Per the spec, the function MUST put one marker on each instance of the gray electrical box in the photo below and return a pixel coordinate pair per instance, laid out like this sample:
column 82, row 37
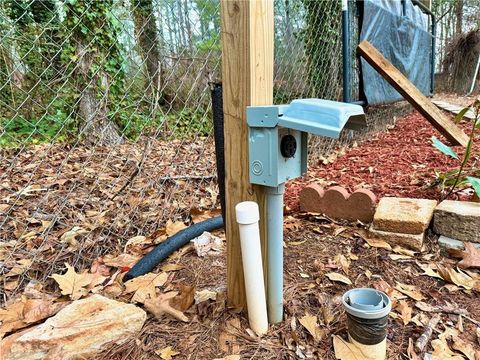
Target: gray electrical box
column 278, row 135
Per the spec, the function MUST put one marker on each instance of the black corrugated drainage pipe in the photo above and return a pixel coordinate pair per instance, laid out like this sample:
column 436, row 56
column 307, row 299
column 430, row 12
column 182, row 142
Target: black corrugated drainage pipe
column 175, row 242
column 217, row 114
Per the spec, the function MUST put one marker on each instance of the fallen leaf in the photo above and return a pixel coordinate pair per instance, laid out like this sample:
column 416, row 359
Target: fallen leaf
column 171, row 267
column 160, row 305
column 443, row 308
column 310, row 323
column 427, row 270
column 137, row 244
column 341, row 260
column 409, row 290
column 441, row 351
column 204, row 295
column 12, row 317
column 420, row 319
column 121, row 261
column 470, row 256
column 457, row 278
column 405, row 311
column 70, row 237
column 25, row 311
column 199, row 215
column 368, row 274
column 339, row 230
column 39, row 309
column 166, row 353
column 400, row 250
column 345, row 350
column 412, row 355
column 460, row 324
column 171, row 228
column 19, row 268
column 184, row 299
column 144, row 287
column 393, row 294
column 448, row 334
column 373, row 241
column 464, row 347
column 338, row 277
column 99, row 267
column 73, row 284
column 396, row 257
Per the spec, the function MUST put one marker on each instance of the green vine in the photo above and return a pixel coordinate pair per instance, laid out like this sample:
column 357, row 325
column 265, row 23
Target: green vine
column 90, row 24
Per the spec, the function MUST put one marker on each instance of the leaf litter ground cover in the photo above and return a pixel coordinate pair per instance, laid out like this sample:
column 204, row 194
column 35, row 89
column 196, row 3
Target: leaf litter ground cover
column 94, row 240
column 185, row 297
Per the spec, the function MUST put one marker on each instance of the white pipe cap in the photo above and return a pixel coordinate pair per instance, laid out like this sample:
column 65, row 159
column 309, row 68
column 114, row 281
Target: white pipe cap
column 247, row 212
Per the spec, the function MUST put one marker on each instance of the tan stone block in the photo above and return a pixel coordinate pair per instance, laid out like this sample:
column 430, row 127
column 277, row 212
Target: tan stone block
column 403, row 215
column 458, row 219
column 411, row 241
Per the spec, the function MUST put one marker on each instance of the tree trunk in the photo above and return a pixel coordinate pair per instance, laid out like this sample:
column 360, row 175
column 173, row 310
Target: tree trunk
column 148, row 41
column 458, row 17
column 188, row 26
column 92, row 110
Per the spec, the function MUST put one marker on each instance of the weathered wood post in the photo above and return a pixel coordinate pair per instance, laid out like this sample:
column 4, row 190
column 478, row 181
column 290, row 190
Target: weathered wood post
column 247, row 77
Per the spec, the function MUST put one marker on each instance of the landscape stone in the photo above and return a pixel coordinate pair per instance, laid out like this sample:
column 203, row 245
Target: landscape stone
column 403, row 215
column 78, row 331
column 411, row 241
column 458, row 220
column 445, row 243
column 337, row 203
column 334, row 201
column 310, row 198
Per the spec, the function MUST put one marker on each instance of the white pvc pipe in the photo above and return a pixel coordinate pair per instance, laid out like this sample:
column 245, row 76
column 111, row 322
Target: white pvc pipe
column 248, row 216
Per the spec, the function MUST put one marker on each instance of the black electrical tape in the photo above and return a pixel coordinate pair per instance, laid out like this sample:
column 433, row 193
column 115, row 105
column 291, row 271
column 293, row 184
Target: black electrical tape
column 367, row 331
column 173, row 243
column 217, row 113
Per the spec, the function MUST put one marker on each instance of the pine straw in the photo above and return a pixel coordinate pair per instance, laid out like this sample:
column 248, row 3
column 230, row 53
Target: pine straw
column 205, row 335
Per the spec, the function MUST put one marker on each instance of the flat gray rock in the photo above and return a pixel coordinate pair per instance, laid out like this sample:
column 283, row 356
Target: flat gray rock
column 458, row 220
column 447, row 243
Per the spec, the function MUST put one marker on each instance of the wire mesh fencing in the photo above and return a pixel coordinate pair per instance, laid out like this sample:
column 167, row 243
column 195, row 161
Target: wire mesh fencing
column 105, row 119
column 105, row 129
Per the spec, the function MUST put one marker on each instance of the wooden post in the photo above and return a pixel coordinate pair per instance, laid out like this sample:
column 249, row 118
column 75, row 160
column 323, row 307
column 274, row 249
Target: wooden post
column 247, row 78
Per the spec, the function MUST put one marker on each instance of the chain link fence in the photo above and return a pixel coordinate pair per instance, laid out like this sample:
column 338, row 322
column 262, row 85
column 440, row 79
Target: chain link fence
column 105, row 118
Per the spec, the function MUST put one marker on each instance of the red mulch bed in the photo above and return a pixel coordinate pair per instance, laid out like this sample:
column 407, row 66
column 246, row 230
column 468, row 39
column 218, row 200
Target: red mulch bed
column 398, row 162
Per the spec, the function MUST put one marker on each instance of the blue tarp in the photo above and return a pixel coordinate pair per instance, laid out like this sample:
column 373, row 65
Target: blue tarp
column 403, row 40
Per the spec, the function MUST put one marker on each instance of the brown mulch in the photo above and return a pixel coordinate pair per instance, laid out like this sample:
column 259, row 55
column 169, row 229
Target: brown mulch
column 398, row 162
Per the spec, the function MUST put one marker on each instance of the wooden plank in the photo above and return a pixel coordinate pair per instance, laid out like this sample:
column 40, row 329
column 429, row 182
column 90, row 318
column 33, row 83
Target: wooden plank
column 247, row 77
column 419, row 101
